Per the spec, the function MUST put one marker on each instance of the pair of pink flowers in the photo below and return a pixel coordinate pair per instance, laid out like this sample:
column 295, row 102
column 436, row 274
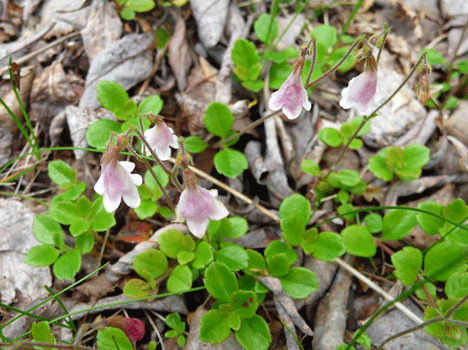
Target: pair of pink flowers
column 196, row 204
column 361, row 92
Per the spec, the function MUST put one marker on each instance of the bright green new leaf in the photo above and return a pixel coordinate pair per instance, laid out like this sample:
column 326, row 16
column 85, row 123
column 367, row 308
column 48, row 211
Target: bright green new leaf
column 278, row 74
column 230, row 163
column 245, row 303
column 220, row 281
column 234, row 257
column 85, row 242
column 218, row 119
column 244, row 53
column 42, row 334
column 430, row 224
column 194, row 144
column 456, row 211
column 379, row 168
column 185, row 257
column 416, row 155
column 359, row 241
column 68, row 265
column 299, row 283
column 127, row 14
column 257, row 263
column 151, row 104
column 294, row 213
column 433, row 57
column 254, row 333
column 328, row 246
column 330, row 136
column 452, row 335
column 234, row 321
column 172, row 242
column 45, row 228
column 150, row 264
column 311, row 167
column 113, row 338
column 278, row 265
column 397, row 223
column 214, row 328
column 239, row 227
column 457, row 285
column 136, row 288
column 62, row 174
column 266, row 27
column 146, row 209
column 203, row 255
column 373, row 222
column 41, row 255
column 445, row 259
column 325, row 34
column 180, row 280
column 407, row 263
column 278, row 247
column 112, row 96
column 102, row 220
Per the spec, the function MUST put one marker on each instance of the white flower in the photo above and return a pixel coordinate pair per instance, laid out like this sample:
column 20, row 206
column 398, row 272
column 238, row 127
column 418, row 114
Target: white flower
column 362, row 91
column 117, row 182
column 198, row 205
column 161, row 137
column 292, row 95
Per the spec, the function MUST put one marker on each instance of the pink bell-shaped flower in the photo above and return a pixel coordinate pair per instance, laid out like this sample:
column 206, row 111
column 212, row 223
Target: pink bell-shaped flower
column 362, row 90
column 197, row 205
column 292, row 95
column 117, row 182
column 161, row 137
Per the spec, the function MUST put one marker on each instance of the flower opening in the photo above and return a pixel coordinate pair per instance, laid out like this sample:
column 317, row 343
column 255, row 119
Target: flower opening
column 161, row 137
column 117, row 182
column 292, row 95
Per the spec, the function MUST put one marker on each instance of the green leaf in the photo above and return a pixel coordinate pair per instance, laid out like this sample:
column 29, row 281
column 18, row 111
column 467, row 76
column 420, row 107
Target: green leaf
column 463, row 66
column 85, row 242
column 299, row 283
column 244, row 53
column 101, row 219
column 64, row 212
column 42, row 334
column 71, row 194
column 430, row 224
column 180, row 280
column 330, row 136
column 127, row 14
column 68, row 265
column 41, row 255
column 62, row 174
column 254, row 86
column 230, row 163
column 146, row 209
column 450, row 334
column 433, row 57
column 310, row 237
column 359, row 241
column 407, row 263
column 214, row 328
column 245, row 303
column 311, row 167
column 150, row 264
column 218, row 119
column 234, row 257
column 266, row 27
column 112, row 339
column 278, row 247
column 151, row 104
column 349, row 178
column 379, row 168
column 220, row 282
column 257, row 262
column 328, row 246
column 283, row 55
column 254, row 333
column 203, row 255
column 184, row 257
column 445, row 259
column 194, row 144
column 325, row 34
column 239, row 227
column 347, row 208
column 234, row 321
column 457, row 285
column 294, row 214
column 456, row 211
column 98, row 133
column 416, row 155
column 172, row 242
column 397, row 223
column 278, row 265
column 140, row 5
column 112, row 96
column 420, row 293
column 451, row 103
column 373, row 222
column 136, row 288
column 46, row 228
column 278, row 74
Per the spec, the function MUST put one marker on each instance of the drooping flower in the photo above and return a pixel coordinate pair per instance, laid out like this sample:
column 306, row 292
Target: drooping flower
column 117, row 182
column 292, row 95
column 362, row 90
column 197, row 205
column 161, row 137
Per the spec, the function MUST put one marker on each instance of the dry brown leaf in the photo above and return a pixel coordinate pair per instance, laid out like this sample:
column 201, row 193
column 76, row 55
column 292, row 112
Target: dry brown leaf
column 179, row 54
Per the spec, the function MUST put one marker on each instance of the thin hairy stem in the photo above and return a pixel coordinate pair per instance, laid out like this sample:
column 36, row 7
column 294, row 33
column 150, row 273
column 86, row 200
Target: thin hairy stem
column 314, row 59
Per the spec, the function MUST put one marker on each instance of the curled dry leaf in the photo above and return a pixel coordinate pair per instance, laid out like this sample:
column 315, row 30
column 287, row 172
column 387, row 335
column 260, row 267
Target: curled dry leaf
column 211, row 17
